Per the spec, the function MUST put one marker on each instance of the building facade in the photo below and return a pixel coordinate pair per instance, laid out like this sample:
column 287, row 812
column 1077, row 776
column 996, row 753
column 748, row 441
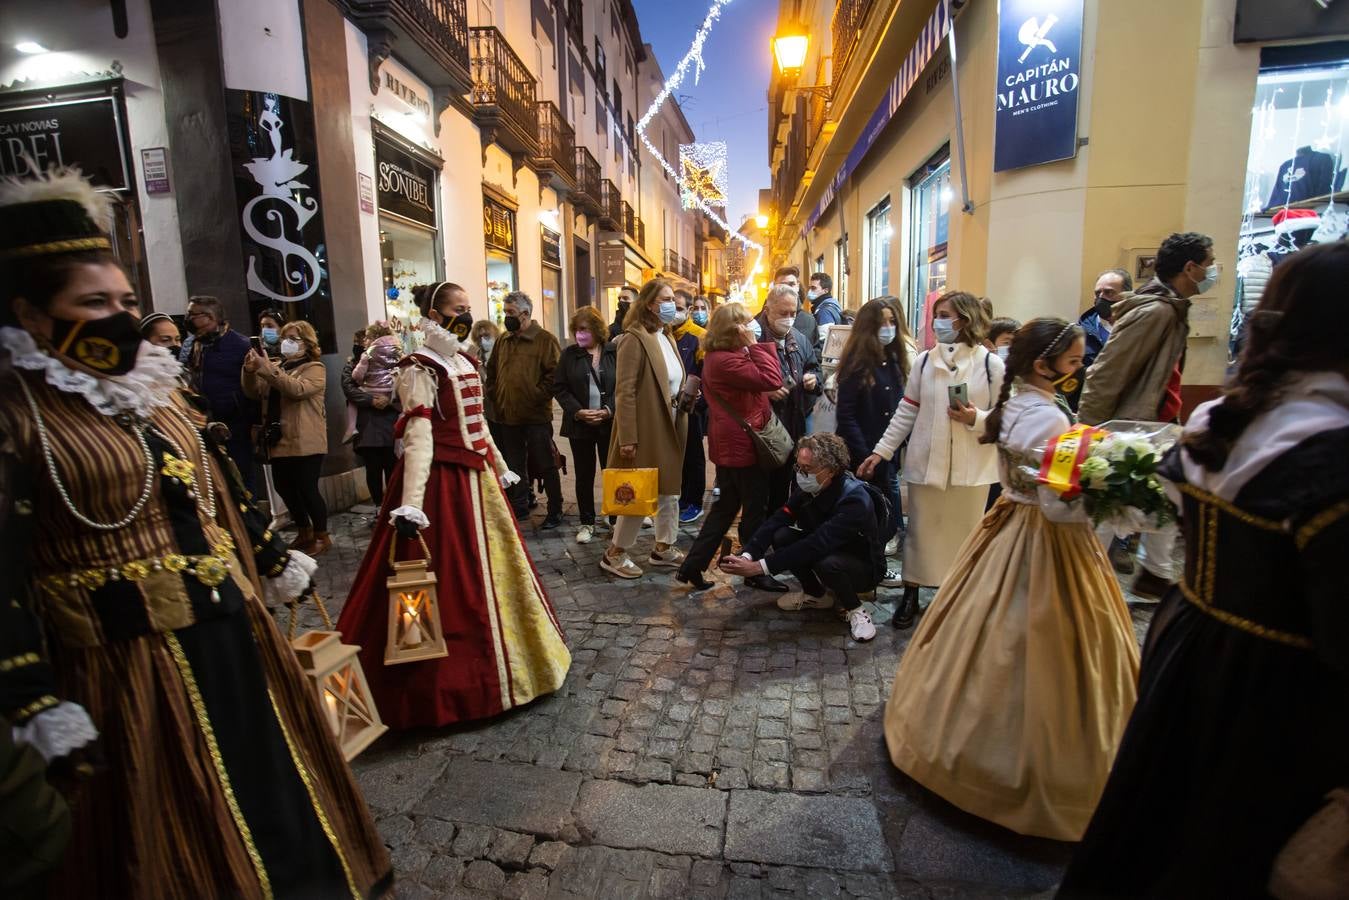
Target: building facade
column 1155, row 117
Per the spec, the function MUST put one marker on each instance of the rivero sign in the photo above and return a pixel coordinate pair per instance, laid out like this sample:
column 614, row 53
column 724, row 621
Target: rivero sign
column 1039, row 74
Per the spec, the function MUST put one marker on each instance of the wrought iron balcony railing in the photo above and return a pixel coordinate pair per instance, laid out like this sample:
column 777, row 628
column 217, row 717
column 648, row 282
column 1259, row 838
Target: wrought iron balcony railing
column 629, row 221
column 587, row 170
column 503, row 93
column 557, row 145
column 576, row 21
column 611, row 206
column 849, row 16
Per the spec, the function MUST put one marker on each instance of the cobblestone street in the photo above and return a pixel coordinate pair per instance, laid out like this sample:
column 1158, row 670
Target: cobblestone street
column 702, row 747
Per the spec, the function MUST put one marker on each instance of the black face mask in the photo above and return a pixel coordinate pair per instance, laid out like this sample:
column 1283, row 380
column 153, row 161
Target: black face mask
column 357, row 350
column 1104, row 308
column 175, row 349
column 1067, row 384
column 461, row 326
column 107, row 346
column 512, row 323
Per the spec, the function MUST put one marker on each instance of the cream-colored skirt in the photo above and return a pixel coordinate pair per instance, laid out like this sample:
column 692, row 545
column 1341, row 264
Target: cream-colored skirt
column 1012, row 697
column 939, row 522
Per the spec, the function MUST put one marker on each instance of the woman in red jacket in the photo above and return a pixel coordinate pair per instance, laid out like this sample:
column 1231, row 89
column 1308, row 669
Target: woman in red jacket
column 738, row 372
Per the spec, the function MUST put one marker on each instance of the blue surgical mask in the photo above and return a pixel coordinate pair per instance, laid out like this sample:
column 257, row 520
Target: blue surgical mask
column 667, row 311
column 756, row 328
column 887, row 334
column 808, row 483
column 946, row 332
column 269, row 336
column 1209, row 280
column 700, row 317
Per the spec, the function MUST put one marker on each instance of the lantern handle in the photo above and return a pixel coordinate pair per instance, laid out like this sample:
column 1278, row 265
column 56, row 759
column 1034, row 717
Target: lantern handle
column 295, row 612
column 393, row 548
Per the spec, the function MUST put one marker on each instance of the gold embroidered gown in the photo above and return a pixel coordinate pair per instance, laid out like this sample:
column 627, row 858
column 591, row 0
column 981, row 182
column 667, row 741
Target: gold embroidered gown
column 219, row 775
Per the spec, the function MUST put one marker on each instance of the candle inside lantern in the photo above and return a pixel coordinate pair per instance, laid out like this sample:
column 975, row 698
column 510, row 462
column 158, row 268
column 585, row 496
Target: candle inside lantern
column 411, row 632
column 332, row 704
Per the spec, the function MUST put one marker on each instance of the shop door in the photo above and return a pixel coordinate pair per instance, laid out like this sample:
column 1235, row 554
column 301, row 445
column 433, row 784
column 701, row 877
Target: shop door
column 585, row 289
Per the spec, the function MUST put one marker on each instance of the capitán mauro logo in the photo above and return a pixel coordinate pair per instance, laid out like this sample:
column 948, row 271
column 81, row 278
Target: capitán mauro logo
column 1040, row 85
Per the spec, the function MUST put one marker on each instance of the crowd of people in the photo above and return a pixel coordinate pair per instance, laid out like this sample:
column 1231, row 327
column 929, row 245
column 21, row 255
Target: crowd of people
column 138, row 658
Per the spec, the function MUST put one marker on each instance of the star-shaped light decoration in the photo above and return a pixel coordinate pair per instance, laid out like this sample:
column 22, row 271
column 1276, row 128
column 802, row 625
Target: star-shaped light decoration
column 703, row 169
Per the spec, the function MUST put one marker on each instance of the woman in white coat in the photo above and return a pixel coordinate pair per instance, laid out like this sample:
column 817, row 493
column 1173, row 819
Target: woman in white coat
column 946, row 468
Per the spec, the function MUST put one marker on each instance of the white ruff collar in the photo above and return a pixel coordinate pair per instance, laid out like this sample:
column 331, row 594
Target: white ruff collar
column 151, row 384
column 445, row 344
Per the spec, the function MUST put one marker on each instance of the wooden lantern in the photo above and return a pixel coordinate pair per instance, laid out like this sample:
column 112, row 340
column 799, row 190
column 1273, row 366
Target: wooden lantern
column 414, row 612
column 336, row 673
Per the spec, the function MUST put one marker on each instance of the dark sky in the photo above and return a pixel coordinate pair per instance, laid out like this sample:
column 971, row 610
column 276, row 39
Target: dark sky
column 729, row 102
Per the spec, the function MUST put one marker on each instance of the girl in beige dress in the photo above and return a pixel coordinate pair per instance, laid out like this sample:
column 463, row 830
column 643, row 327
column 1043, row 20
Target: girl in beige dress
column 1013, row 694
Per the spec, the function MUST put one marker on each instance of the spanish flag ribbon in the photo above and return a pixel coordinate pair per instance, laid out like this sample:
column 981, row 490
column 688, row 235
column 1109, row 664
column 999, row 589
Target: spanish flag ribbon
column 1061, row 468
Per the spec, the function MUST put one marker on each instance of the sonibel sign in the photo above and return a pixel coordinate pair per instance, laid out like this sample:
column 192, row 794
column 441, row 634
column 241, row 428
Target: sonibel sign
column 1039, row 73
column 405, row 185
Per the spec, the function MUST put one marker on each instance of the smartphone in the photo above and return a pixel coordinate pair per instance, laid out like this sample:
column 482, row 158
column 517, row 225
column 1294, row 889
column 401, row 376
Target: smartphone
column 958, row 395
column 255, row 343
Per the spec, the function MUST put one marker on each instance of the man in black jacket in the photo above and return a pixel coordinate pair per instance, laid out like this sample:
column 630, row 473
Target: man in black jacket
column 827, row 535
column 800, row 378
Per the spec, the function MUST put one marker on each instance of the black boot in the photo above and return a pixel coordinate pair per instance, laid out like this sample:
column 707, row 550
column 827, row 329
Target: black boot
column 907, row 610
column 694, row 580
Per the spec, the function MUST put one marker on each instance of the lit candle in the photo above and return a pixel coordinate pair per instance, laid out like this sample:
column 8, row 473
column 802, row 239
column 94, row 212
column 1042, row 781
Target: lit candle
column 332, row 705
column 411, row 633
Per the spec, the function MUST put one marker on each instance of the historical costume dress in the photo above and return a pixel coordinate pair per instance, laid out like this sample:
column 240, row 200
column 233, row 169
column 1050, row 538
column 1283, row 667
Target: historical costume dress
column 133, row 612
column 1013, row 693
column 505, row 644
column 1242, row 723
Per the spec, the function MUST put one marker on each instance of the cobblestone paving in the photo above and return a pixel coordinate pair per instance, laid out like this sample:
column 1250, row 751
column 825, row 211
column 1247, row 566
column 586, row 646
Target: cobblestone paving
column 709, row 746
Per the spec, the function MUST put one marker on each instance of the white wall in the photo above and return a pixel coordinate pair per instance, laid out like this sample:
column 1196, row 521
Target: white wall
column 83, row 42
column 262, row 43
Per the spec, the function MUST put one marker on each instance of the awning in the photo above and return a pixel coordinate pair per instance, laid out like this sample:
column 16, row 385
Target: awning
column 920, row 54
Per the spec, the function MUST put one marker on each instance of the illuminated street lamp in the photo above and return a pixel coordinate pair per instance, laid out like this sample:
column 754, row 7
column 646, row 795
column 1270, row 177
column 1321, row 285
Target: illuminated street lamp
column 790, row 49
column 761, row 221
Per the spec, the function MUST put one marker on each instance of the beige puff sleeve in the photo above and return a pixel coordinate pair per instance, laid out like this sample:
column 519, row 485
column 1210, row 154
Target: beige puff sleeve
column 416, row 387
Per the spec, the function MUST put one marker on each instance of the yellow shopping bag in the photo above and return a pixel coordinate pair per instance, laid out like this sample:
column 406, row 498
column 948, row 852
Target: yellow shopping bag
column 630, row 492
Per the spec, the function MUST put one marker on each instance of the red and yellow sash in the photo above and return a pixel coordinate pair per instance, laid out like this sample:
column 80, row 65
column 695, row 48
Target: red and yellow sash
column 1061, row 469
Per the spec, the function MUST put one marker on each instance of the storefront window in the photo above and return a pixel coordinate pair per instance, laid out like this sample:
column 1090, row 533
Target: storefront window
column 927, row 260
column 879, row 233
column 405, row 188
column 552, row 314
column 407, row 254
column 498, row 225
column 841, row 272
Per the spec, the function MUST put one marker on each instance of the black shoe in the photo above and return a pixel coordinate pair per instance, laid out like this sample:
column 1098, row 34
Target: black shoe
column 907, row 610
column 766, row 583
column 1121, row 557
column 553, row 520
column 695, row 581
column 1149, row 587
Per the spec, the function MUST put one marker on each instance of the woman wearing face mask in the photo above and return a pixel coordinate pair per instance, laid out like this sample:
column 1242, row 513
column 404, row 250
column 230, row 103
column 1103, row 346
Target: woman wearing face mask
column 1027, row 656
column 269, row 332
column 649, row 428
column 134, row 573
column 688, row 336
column 300, row 380
column 738, row 373
column 700, row 312
column 946, row 468
column 1000, row 333
column 583, row 385
column 872, row 374
column 162, row 331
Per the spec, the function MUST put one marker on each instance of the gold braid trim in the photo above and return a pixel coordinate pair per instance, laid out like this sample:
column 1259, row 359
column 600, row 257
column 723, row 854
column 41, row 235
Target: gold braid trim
column 1231, row 509
column 1243, row 624
column 41, row 704
column 70, row 246
column 204, row 723
column 19, row 662
column 1320, row 522
column 303, row 772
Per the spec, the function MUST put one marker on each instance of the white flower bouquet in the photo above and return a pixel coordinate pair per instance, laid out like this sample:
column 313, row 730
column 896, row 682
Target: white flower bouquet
column 1112, row 471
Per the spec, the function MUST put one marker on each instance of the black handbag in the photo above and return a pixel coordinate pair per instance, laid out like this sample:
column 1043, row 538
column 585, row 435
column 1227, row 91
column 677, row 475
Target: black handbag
column 772, row 444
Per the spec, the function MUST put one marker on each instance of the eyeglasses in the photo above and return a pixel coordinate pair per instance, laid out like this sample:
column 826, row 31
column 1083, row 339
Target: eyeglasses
column 199, row 314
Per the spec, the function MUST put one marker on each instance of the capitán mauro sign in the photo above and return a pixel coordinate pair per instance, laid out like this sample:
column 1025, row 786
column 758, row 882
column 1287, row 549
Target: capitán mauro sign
column 1039, row 73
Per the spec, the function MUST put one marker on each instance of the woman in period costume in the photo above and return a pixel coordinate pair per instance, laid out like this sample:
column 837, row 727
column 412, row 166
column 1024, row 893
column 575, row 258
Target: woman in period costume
column 1012, row 695
column 133, row 614
column 505, row 645
column 1242, row 723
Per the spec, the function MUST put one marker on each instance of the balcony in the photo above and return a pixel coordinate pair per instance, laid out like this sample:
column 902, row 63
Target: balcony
column 629, row 221
column 587, row 195
column 503, row 95
column 556, row 159
column 611, row 207
column 576, row 22
column 641, row 233
column 849, row 16
column 671, row 261
column 432, row 40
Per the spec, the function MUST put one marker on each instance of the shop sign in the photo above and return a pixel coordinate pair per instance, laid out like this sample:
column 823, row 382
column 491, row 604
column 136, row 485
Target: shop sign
column 276, row 184
column 84, row 133
column 155, row 165
column 552, row 247
column 613, row 267
column 404, row 184
column 1039, row 72
column 1286, row 20
column 498, row 226
column 365, row 190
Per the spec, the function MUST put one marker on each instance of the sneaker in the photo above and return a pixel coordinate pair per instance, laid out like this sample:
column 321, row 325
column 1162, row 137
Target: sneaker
column 669, row 558
column 584, row 534
column 860, row 624
column 1149, row 587
column 647, row 522
column 716, row 492
column 893, row 546
column 798, row 600
column 623, row 567
column 690, row 514
column 892, row 579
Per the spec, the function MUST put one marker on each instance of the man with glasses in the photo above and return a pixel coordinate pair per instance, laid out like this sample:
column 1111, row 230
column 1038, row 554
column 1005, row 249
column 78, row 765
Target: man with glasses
column 214, row 361
column 828, row 535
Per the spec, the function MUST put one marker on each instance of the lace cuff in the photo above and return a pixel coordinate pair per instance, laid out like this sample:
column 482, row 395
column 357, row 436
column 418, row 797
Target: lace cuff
column 58, row 731
column 292, row 581
column 412, row 514
column 509, row 478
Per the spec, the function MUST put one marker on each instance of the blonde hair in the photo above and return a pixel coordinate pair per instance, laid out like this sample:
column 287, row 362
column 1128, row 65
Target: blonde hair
column 971, row 309
column 723, row 329
column 307, row 336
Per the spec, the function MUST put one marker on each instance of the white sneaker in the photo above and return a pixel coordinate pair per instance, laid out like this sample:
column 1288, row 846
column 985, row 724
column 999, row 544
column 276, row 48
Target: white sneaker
column 647, row 522
column 584, row 534
column 669, row 559
column 623, row 567
column 893, row 547
column 716, row 492
column 798, row 600
column 859, row 622
column 892, row 579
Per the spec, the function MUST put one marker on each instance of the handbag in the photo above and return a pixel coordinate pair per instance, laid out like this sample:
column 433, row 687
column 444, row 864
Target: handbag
column 1314, row 864
column 630, row 492
column 772, row 444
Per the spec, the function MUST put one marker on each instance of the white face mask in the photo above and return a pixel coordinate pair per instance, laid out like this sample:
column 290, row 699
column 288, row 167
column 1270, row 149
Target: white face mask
column 681, row 316
column 887, row 334
column 808, row 483
column 1003, row 351
column 291, row 347
column 945, row 331
column 812, row 293
column 784, row 326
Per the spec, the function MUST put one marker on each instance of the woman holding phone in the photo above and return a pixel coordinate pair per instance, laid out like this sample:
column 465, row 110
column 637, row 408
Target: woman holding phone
column 949, row 393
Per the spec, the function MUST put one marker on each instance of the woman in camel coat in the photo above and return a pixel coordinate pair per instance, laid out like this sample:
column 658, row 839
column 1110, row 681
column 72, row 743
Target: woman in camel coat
column 648, row 430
